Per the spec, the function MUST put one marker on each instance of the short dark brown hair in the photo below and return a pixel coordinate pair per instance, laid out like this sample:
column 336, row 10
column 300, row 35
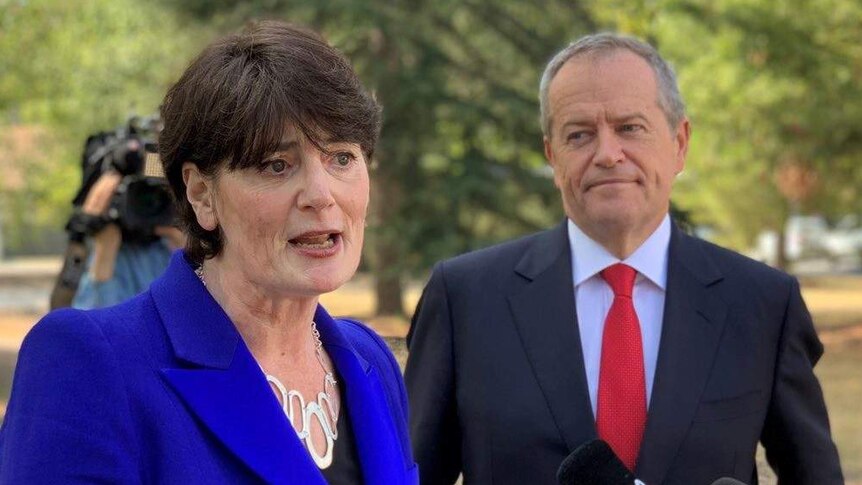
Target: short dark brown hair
column 232, row 104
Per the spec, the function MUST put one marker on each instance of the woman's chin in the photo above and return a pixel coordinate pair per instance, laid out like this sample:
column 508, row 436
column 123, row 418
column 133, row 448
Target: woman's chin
column 319, row 284
column 318, row 277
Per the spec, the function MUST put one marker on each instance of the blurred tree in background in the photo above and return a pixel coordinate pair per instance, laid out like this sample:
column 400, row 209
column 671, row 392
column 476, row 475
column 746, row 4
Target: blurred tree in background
column 771, row 86
column 459, row 164
column 774, row 94
column 68, row 69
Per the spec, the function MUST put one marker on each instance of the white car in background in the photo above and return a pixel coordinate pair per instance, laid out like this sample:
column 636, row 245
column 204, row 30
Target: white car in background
column 810, row 237
column 844, row 241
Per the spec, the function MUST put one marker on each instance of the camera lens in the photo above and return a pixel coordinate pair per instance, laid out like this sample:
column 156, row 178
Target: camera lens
column 148, row 200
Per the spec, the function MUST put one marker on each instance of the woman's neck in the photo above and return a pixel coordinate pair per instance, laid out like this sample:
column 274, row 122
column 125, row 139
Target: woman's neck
column 272, row 326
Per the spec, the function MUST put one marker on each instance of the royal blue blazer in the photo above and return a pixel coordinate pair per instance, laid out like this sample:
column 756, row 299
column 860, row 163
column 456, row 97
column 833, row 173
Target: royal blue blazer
column 162, row 389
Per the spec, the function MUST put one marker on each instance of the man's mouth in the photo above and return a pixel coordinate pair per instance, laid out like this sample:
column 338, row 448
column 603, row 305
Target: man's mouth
column 600, row 183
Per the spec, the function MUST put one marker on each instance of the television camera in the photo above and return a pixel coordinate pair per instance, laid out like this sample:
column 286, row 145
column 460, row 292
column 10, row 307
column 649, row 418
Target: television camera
column 141, row 202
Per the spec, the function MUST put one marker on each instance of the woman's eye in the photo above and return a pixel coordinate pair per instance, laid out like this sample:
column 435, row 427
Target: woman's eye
column 343, row 159
column 278, row 166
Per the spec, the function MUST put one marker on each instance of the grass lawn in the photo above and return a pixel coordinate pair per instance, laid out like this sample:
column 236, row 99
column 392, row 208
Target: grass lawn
column 840, row 373
column 834, row 301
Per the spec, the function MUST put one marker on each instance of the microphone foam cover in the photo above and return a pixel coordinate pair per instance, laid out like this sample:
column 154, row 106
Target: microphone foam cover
column 594, row 463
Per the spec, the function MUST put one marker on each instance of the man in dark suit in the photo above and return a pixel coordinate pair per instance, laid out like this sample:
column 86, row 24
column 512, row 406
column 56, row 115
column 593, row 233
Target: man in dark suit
column 615, row 324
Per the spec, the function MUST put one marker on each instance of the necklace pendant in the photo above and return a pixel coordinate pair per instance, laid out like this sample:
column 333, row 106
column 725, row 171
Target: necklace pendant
column 323, row 409
column 314, row 409
column 295, row 407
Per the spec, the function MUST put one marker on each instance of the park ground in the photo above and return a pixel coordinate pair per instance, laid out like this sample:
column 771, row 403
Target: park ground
column 835, row 301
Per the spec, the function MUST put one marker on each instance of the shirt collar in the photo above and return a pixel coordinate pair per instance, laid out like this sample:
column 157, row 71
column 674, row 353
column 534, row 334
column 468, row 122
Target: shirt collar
column 650, row 259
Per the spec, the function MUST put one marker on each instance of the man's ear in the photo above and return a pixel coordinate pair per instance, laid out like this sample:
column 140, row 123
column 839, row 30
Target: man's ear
column 683, row 135
column 549, row 156
column 200, row 192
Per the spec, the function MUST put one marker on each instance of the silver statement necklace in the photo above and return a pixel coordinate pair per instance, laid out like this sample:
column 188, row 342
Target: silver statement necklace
column 324, row 409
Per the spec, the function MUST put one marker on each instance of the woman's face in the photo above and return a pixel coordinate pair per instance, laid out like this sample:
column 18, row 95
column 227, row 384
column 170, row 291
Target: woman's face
column 294, row 225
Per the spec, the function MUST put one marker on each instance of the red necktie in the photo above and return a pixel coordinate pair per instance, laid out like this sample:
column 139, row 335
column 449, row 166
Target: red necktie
column 621, row 413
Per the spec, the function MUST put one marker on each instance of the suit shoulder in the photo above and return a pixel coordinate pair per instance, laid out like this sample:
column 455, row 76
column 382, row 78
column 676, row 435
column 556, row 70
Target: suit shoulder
column 504, row 254
column 368, row 344
column 736, row 264
column 60, row 327
column 376, row 352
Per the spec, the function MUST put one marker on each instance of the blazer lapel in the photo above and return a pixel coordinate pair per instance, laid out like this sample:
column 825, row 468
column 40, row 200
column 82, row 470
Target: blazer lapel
column 694, row 318
column 545, row 317
column 222, row 384
column 376, row 438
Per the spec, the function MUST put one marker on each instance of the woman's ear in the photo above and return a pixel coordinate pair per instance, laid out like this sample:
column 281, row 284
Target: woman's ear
column 200, row 192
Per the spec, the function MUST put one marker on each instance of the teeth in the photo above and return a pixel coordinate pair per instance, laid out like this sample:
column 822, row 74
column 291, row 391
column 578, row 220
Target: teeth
column 323, row 242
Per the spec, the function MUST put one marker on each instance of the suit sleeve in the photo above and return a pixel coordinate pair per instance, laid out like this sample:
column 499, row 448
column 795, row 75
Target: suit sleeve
column 796, row 433
column 68, row 419
column 430, row 380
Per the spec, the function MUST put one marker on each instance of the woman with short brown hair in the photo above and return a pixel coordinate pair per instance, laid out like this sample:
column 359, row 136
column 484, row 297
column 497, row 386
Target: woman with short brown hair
column 228, row 370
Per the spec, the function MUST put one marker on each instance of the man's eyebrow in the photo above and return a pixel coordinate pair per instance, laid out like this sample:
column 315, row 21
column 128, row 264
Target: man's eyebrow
column 637, row 115
column 620, row 118
column 575, row 121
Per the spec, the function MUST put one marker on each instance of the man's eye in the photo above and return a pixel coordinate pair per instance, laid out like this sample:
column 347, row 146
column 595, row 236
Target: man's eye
column 630, row 127
column 577, row 136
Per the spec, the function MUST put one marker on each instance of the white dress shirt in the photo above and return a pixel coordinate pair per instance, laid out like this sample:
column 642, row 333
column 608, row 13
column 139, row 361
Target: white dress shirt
column 593, row 297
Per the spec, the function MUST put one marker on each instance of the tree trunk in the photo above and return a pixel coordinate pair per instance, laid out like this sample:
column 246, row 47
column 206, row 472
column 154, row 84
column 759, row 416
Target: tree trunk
column 780, row 251
column 388, row 288
column 386, row 261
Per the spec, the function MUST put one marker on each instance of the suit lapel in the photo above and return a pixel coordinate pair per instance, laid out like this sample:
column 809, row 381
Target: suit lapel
column 238, row 407
column 221, row 383
column 694, row 318
column 374, row 431
column 544, row 314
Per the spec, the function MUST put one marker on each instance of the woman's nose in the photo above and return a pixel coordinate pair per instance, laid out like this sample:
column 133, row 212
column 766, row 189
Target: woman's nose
column 316, row 193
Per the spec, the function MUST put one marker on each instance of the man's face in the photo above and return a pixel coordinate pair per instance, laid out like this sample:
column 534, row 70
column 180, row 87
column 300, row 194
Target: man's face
column 613, row 154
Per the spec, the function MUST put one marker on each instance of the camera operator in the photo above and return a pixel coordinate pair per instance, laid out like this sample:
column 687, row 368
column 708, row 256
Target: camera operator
column 121, row 233
column 117, row 270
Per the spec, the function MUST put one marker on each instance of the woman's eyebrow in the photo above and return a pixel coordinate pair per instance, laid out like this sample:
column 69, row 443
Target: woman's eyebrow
column 286, row 145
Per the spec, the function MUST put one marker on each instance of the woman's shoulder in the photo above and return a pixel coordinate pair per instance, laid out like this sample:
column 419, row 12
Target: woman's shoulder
column 370, row 346
column 377, row 353
column 62, row 326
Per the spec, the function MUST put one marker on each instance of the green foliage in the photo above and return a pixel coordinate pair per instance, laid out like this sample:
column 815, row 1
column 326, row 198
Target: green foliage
column 70, row 68
column 768, row 84
column 460, row 164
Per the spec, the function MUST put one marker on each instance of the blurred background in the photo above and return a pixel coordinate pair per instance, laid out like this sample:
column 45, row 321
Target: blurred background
column 772, row 89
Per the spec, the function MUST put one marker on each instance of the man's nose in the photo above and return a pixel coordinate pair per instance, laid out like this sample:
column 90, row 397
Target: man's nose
column 609, row 151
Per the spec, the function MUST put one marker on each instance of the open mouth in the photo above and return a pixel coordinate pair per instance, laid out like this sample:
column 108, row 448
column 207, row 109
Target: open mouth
column 316, row 241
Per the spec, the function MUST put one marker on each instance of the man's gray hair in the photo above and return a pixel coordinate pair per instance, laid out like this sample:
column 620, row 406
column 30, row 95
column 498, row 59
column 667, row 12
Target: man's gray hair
column 669, row 99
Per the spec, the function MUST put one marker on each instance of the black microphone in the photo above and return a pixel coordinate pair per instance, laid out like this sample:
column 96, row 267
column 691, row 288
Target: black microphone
column 727, row 481
column 594, row 463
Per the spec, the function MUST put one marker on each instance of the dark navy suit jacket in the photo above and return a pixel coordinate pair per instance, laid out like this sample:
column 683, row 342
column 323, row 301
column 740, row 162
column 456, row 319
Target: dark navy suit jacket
column 498, row 388
column 162, row 389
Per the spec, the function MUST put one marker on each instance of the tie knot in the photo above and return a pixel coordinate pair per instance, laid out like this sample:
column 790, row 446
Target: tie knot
column 621, row 278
